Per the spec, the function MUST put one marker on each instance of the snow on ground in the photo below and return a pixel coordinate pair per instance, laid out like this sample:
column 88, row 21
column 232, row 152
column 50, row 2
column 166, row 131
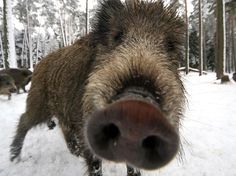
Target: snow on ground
column 208, row 132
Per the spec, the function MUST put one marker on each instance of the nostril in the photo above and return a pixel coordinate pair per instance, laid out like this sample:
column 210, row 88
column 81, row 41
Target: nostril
column 158, row 150
column 111, row 131
column 151, row 143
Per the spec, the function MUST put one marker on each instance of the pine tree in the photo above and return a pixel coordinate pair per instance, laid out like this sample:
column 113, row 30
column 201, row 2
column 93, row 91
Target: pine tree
column 8, row 38
column 208, row 33
column 186, row 38
column 230, row 36
column 26, row 12
column 87, row 18
column 220, row 49
column 200, row 38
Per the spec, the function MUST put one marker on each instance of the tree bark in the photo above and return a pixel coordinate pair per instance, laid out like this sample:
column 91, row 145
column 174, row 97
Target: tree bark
column 29, row 38
column 37, row 50
column 24, row 48
column 200, row 38
column 234, row 50
column 187, row 39
column 86, row 19
column 10, row 35
column 220, row 49
column 62, row 29
column 1, row 43
column 204, row 47
column 233, row 41
column 5, row 31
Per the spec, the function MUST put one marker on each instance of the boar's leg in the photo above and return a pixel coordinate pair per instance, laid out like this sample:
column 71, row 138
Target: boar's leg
column 17, row 143
column 25, row 124
column 132, row 172
column 94, row 164
column 72, row 140
column 36, row 112
column 9, row 96
column 23, row 88
column 18, row 90
column 51, row 124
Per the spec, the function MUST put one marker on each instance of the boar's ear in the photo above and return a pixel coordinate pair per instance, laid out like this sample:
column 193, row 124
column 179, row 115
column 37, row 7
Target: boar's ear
column 25, row 72
column 106, row 15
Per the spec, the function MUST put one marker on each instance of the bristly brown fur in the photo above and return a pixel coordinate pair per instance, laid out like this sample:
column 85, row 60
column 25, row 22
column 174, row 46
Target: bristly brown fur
column 130, row 40
column 114, row 20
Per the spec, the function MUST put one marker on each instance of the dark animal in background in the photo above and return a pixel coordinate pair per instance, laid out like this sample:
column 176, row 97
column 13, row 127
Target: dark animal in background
column 116, row 92
column 225, row 79
column 7, row 85
column 234, row 76
column 21, row 77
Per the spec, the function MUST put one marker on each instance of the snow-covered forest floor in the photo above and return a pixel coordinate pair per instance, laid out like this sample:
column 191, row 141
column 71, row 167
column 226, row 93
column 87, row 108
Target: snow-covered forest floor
column 208, row 132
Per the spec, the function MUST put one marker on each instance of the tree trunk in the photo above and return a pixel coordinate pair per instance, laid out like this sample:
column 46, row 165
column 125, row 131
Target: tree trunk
column 37, row 50
column 26, row 50
column 62, row 29
column 86, row 19
column 220, row 49
column 66, row 30
column 11, row 37
column 233, row 54
column 187, row 39
column 29, row 38
column 1, row 43
column 200, row 38
column 204, row 47
column 229, row 43
column 5, row 38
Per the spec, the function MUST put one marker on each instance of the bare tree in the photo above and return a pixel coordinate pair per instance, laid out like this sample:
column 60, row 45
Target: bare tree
column 200, row 38
column 1, row 43
column 231, row 47
column 8, row 38
column 220, row 48
column 62, row 28
column 87, row 18
column 5, row 39
column 29, row 37
column 186, row 38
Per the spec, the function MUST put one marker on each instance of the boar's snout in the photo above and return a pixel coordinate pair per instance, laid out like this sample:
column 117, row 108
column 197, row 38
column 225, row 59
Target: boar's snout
column 133, row 131
column 13, row 89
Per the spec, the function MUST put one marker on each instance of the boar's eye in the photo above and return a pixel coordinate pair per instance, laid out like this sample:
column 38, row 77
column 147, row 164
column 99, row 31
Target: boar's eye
column 117, row 36
column 170, row 44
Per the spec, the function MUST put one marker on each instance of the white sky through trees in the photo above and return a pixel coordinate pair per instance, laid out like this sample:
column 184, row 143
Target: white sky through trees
column 92, row 3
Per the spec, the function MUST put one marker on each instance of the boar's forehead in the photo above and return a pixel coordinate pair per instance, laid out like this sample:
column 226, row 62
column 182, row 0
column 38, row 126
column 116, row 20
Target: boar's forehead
column 115, row 20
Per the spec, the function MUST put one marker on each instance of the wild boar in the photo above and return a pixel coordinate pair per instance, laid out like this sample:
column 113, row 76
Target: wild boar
column 234, row 76
column 225, row 79
column 7, row 85
column 116, row 92
column 21, row 77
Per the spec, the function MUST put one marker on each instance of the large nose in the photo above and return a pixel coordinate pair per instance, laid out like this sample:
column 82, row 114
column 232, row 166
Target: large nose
column 132, row 131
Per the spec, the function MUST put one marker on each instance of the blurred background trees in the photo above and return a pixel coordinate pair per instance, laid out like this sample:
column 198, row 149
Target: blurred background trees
column 41, row 26
column 218, row 25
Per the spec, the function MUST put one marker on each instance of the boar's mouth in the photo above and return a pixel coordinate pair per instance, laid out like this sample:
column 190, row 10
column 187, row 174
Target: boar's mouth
column 138, row 93
column 139, row 88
